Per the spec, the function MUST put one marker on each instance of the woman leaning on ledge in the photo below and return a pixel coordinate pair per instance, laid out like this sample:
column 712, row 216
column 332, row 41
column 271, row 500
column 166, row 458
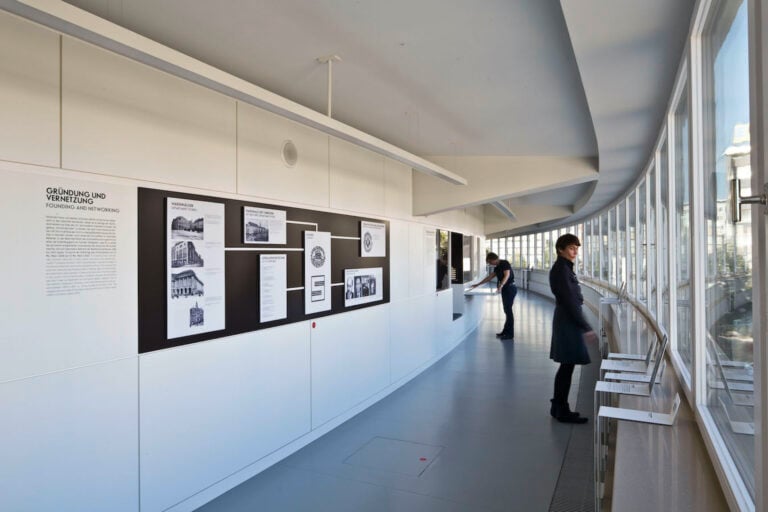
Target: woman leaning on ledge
column 569, row 327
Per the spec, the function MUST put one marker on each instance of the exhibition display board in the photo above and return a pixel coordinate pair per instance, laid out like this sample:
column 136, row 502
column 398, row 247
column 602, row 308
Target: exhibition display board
column 274, row 265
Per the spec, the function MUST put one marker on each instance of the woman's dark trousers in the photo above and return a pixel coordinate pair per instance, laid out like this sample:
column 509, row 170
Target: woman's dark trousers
column 508, row 294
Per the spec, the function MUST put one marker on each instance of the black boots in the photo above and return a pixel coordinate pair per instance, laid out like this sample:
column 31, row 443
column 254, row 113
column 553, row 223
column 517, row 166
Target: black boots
column 562, row 413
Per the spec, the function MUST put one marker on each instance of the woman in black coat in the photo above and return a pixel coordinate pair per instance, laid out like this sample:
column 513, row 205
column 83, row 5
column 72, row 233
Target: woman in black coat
column 569, row 327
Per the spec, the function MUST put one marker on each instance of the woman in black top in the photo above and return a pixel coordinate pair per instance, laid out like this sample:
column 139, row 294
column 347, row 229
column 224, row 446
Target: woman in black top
column 569, row 327
column 506, row 287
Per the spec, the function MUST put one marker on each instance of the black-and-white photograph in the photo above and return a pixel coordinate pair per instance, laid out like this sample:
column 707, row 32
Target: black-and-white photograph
column 263, row 225
column 255, row 232
column 196, row 317
column 362, row 285
column 183, row 228
column 186, row 284
column 184, row 254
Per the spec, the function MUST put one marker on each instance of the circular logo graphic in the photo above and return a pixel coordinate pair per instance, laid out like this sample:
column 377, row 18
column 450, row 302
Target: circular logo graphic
column 367, row 242
column 317, row 256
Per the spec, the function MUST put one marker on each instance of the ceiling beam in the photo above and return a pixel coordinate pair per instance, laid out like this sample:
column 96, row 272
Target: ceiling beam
column 492, row 178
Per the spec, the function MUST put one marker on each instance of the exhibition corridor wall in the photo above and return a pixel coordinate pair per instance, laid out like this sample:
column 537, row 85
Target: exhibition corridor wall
column 89, row 422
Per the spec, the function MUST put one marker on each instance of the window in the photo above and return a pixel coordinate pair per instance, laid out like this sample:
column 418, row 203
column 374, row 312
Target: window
column 531, row 250
column 632, row 245
column 621, row 241
column 547, row 250
column 663, row 238
column 538, row 250
column 594, row 248
column 682, row 228
column 603, row 247
column 642, row 244
column 651, row 242
column 728, row 272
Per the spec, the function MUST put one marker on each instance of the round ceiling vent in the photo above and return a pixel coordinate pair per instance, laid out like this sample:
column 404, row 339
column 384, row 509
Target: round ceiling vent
column 290, row 153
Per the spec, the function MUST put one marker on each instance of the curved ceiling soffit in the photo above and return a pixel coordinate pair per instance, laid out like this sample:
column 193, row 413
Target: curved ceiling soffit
column 628, row 65
column 511, row 187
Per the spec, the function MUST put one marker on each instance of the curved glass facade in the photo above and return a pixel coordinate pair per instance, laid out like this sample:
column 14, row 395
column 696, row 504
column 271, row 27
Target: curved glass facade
column 684, row 247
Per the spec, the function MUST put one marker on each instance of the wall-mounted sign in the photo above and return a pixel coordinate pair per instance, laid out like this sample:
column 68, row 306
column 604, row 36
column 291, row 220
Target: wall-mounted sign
column 195, row 267
column 317, row 271
column 373, row 239
column 263, row 226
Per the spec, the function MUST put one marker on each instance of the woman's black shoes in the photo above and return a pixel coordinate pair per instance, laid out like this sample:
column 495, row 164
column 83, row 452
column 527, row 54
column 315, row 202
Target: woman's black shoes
column 563, row 413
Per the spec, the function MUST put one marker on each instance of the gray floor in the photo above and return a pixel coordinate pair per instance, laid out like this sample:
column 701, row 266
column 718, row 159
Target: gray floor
column 472, row 433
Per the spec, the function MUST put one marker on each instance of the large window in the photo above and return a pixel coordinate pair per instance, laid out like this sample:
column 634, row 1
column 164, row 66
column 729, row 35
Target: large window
column 663, row 238
column 549, row 249
column 621, row 241
column 603, row 247
column 632, row 245
column 642, row 244
column 651, row 243
column 531, row 251
column 613, row 252
column 539, row 243
column 728, row 272
column 682, row 228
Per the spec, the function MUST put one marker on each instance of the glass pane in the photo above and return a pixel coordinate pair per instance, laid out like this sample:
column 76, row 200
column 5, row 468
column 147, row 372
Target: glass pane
column 612, row 249
column 642, row 244
column 530, row 249
column 594, row 251
column 632, row 247
column 682, row 230
column 663, row 238
column 604, row 267
column 621, row 242
column 586, row 251
column 651, row 241
column 729, row 241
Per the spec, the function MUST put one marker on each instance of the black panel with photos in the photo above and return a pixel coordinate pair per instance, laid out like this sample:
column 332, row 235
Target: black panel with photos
column 242, row 267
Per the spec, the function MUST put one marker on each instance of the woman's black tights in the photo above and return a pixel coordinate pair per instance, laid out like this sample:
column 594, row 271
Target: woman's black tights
column 563, row 382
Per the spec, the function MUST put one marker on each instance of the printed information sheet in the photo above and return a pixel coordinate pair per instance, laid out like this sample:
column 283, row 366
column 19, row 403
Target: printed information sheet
column 273, row 276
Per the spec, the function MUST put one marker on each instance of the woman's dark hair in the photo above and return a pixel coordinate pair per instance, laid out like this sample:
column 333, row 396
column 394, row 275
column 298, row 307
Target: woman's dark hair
column 566, row 240
column 491, row 256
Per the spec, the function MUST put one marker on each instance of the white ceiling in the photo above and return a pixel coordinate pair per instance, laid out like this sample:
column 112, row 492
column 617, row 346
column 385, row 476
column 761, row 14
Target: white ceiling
column 452, row 77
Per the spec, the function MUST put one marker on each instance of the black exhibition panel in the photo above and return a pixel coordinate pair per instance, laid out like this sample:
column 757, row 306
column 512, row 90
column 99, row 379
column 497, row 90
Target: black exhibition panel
column 241, row 268
column 457, row 258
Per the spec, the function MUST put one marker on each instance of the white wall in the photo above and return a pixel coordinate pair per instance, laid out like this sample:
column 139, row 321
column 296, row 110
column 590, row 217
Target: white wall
column 87, row 421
